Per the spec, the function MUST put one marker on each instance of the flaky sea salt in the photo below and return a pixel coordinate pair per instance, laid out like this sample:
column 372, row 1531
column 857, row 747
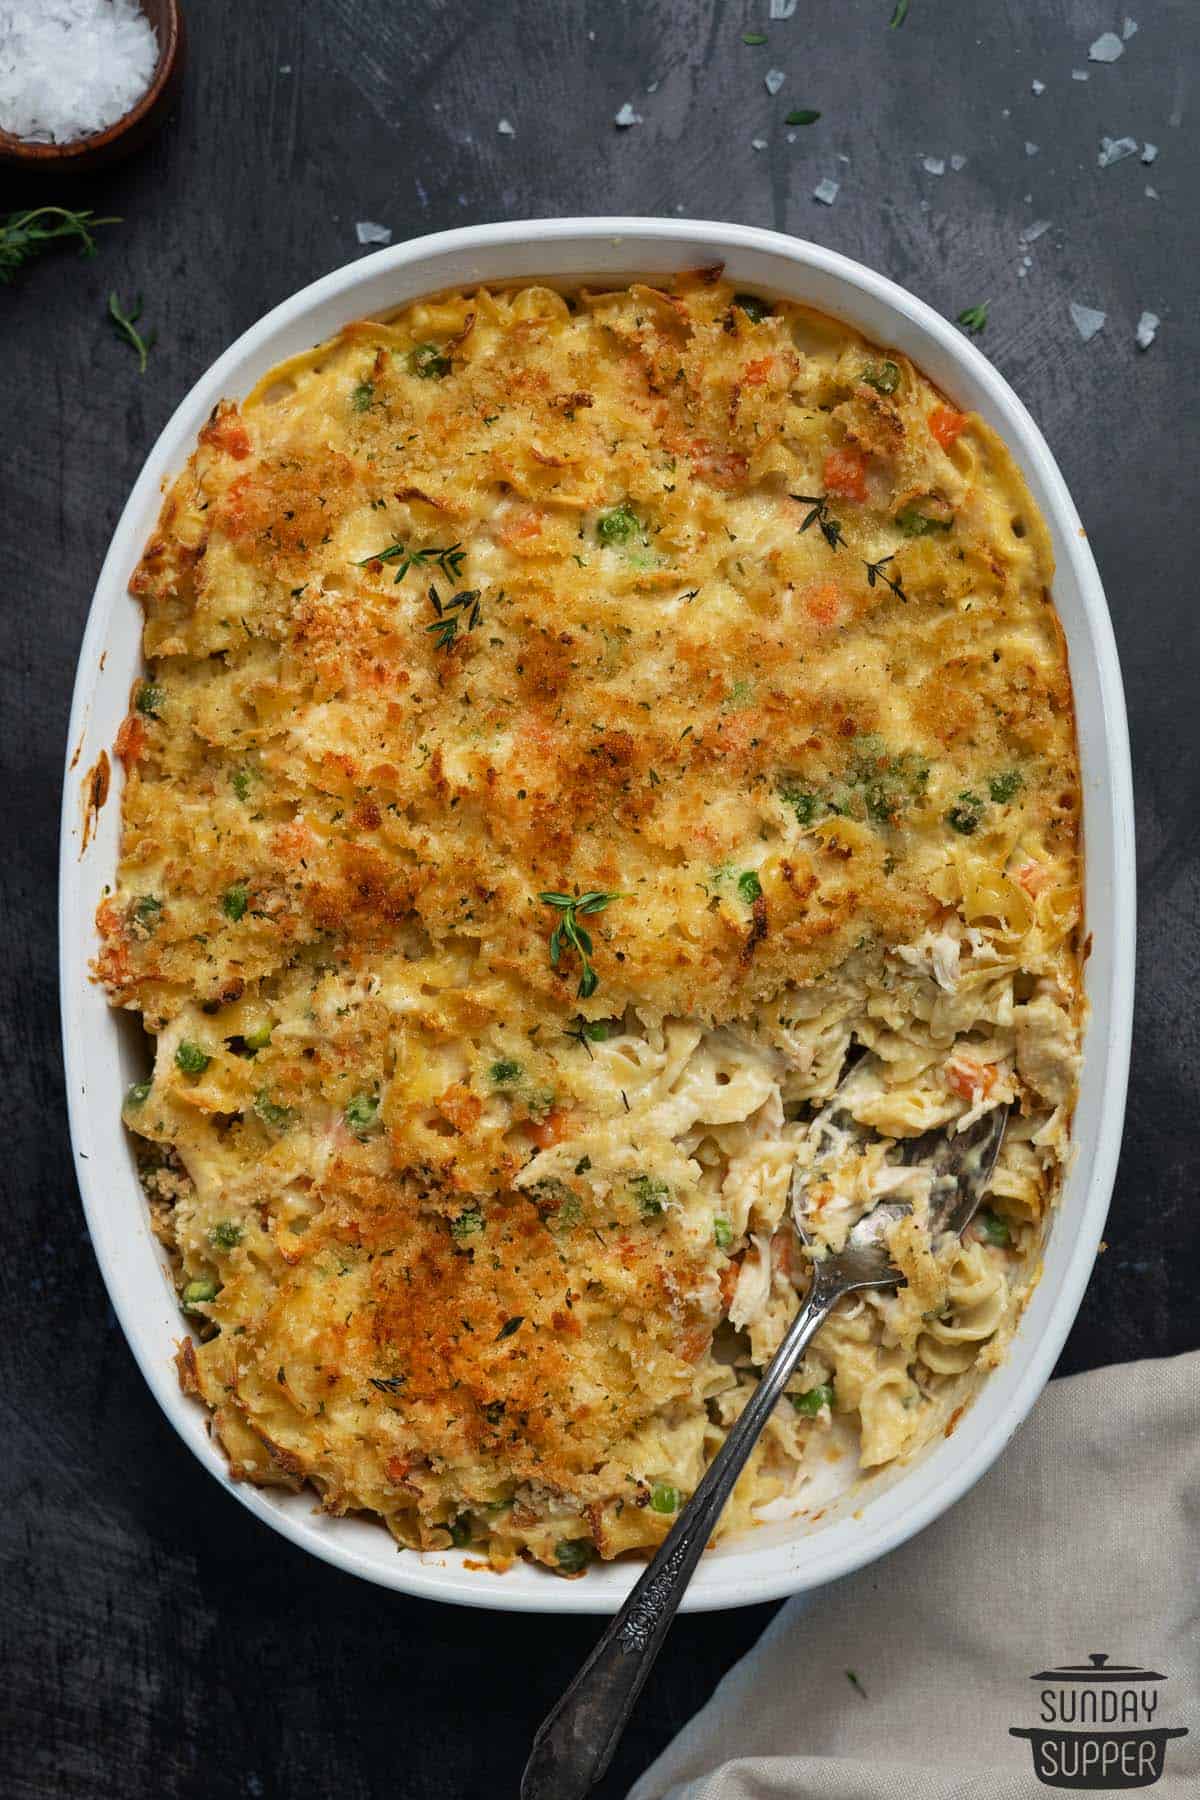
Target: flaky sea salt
column 1031, row 149
column 958, row 163
column 934, row 165
column 758, row 143
column 1106, row 48
column 1079, row 74
column 1129, row 28
column 368, row 232
column 1033, row 232
column 1149, row 152
column 1147, row 326
column 1087, row 320
column 826, row 192
column 69, row 68
column 773, row 80
column 626, row 117
column 1038, row 87
column 1114, row 150
column 1151, row 193
column 506, row 128
column 781, row 9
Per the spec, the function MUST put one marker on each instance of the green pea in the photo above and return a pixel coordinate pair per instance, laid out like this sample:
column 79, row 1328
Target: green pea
column 749, row 886
column 814, row 1400
column 1002, row 787
column 277, row 1117
column 884, row 377
column 199, row 1293
column 572, row 1554
column 149, row 699
column 427, row 361
column 362, row 1113
column 618, row 525
column 504, row 1073
column 460, row 1530
column 664, row 1498
column 756, row 310
column 362, row 396
column 235, row 900
column 994, row 1228
column 466, row 1225
column 225, row 1235
column 965, row 815
column 191, row 1058
column 259, row 1038
column 722, row 1233
column 138, row 1093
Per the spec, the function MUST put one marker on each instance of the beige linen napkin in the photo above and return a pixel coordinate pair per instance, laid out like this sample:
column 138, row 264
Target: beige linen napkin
column 1084, row 1537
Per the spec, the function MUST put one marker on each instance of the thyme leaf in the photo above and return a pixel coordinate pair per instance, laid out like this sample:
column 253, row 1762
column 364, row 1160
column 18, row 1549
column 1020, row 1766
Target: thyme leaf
column 876, row 572
column 569, row 934
column 973, row 319
column 831, row 530
column 451, row 613
column 449, row 559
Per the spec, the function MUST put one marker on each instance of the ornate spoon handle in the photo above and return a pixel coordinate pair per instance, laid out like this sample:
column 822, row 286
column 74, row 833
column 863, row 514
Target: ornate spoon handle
column 576, row 1740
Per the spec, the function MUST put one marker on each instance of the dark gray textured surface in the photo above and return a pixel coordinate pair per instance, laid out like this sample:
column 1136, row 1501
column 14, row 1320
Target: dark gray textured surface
column 154, row 1640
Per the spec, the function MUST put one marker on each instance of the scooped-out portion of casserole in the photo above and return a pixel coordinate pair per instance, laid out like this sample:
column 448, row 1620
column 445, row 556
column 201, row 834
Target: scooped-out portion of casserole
column 582, row 730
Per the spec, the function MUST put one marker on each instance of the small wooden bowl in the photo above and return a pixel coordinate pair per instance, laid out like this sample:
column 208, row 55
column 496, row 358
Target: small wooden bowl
column 82, row 155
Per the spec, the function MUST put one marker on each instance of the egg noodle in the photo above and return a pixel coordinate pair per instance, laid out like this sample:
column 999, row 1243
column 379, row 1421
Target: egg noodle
column 582, row 730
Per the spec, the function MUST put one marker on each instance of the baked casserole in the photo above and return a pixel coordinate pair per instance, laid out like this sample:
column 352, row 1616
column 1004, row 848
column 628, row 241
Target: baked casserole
column 605, row 778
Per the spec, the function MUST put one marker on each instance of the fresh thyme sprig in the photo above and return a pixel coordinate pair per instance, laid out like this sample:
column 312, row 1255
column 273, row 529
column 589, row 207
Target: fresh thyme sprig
column 449, row 560
column 451, row 613
column 24, row 235
column 973, row 319
column 831, row 530
column 875, row 572
column 126, row 327
column 569, row 933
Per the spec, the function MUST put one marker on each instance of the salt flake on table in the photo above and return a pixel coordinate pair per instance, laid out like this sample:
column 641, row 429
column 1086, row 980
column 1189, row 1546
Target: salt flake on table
column 1149, row 152
column 1147, row 326
column 1087, row 320
column 1151, row 193
column 958, row 163
column 1106, row 48
column 626, row 117
column 933, row 165
column 1033, row 232
column 826, row 192
column 781, row 9
column 1038, row 87
column 773, row 80
column 1031, row 149
column 506, row 128
column 368, row 232
column 1113, row 150
column 758, row 143
column 1079, row 74
column 1129, row 28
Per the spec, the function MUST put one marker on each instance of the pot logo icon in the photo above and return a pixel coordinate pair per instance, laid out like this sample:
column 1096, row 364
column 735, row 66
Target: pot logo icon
column 1098, row 1726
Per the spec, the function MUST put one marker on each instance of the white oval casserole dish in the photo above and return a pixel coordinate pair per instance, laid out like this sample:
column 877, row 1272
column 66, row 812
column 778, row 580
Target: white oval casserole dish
column 103, row 1052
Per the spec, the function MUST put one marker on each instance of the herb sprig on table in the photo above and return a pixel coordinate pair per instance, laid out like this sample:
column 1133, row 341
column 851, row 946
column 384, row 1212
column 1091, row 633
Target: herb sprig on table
column 125, row 325
column 25, row 235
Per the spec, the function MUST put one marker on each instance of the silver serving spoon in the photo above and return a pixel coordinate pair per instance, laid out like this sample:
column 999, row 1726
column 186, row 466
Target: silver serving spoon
column 575, row 1742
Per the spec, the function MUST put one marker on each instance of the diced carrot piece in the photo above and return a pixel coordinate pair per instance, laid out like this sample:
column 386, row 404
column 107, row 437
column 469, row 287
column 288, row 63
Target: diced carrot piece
column 946, row 425
column 755, row 373
column 823, row 602
column 1033, row 878
column 846, row 473
column 969, row 1079
column 552, row 1129
column 522, row 525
